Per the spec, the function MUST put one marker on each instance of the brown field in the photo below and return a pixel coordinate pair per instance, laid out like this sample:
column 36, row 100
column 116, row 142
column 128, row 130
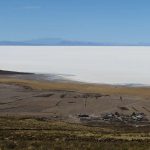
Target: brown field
column 67, row 100
column 80, row 87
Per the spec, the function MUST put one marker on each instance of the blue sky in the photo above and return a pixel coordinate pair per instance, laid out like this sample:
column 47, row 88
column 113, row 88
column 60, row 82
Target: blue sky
column 85, row 20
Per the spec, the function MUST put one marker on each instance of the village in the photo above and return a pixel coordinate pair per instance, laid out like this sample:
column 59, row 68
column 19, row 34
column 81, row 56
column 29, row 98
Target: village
column 138, row 119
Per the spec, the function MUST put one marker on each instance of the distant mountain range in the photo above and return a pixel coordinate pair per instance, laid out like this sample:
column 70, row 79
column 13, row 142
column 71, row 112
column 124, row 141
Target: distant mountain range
column 62, row 42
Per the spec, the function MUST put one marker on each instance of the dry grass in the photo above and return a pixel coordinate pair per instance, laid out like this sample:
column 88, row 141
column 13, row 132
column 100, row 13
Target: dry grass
column 91, row 88
column 32, row 133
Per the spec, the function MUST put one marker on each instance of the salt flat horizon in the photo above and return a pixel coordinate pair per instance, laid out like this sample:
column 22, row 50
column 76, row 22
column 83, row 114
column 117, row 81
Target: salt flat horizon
column 103, row 64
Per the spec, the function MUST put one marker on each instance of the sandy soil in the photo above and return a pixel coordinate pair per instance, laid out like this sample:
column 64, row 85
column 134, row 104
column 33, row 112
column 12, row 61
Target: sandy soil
column 16, row 100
